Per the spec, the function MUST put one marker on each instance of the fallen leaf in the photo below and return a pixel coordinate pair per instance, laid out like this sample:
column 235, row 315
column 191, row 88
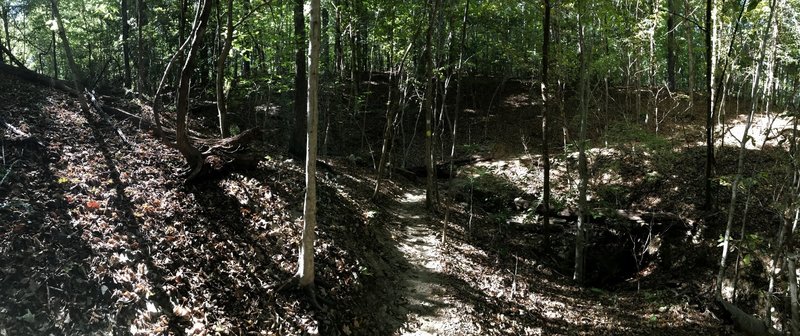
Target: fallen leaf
column 28, row 317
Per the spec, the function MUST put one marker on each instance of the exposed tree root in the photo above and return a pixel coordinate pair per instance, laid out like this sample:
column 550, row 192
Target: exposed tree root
column 309, row 290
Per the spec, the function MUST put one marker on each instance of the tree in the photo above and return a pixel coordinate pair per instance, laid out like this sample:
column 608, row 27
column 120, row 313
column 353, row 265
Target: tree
column 305, row 264
column 390, row 115
column 690, row 77
column 583, row 110
column 77, row 76
column 671, row 10
column 141, row 75
column 742, row 149
column 192, row 155
column 222, row 100
column 296, row 145
column 709, row 163
column 430, row 180
column 544, row 111
column 126, row 54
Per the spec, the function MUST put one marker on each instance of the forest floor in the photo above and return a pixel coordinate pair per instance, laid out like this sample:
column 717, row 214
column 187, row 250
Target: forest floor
column 101, row 236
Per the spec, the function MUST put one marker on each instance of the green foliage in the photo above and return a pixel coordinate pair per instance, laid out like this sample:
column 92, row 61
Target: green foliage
column 614, row 196
column 630, row 134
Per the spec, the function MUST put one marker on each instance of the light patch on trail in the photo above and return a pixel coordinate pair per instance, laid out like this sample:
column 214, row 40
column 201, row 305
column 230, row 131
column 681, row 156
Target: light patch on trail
column 433, row 308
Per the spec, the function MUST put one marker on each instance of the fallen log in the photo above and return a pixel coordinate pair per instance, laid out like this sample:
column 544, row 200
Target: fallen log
column 22, row 136
column 11, row 56
column 748, row 324
column 442, row 169
column 38, row 78
column 97, row 105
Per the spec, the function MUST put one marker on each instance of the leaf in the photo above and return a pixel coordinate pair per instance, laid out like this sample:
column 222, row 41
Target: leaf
column 151, row 308
column 181, row 311
column 597, row 290
column 92, row 205
column 28, row 317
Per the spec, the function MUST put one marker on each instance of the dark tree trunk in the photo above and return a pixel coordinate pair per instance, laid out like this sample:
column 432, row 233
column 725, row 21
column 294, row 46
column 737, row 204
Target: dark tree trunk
column 246, row 54
column 222, row 101
column 54, row 54
column 297, row 145
column 4, row 9
column 77, row 76
column 390, row 111
column 325, row 44
column 709, row 165
column 671, row 44
column 181, row 37
column 126, row 53
column 430, row 189
column 192, row 155
column 689, row 48
column 338, row 48
column 545, row 128
column 580, row 233
column 141, row 76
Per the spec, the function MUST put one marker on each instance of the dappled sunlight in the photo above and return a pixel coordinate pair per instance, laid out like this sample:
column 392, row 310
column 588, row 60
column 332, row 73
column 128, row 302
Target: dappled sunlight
column 774, row 130
column 413, row 198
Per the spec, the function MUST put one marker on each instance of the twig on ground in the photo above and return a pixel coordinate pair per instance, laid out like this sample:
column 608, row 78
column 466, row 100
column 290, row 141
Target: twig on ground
column 8, row 172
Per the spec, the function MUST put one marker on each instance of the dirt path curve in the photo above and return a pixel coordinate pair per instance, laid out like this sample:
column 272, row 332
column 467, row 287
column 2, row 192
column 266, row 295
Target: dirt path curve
column 433, row 307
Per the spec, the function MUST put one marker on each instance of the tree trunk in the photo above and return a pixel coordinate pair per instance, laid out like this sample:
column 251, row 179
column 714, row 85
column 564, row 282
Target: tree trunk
column 5, row 25
column 671, row 44
column 246, row 55
column 2, row 54
column 544, row 111
column 338, row 49
column 157, row 96
column 77, row 76
column 193, row 156
column 141, row 75
column 430, row 181
column 354, row 62
column 777, row 260
column 721, row 86
column 709, row 163
column 459, row 87
column 4, row 12
column 742, row 231
column 652, row 35
column 456, row 109
column 222, row 101
column 126, row 53
column 297, row 146
column 182, row 41
column 390, row 115
column 742, row 149
column 54, row 54
column 387, row 131
column 687, row 10
column 792, row 279
column 305, row 267
column 580, row 235
column 325, row 45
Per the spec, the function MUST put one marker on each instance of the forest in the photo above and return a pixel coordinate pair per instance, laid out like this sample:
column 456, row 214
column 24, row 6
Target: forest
column 378, row 167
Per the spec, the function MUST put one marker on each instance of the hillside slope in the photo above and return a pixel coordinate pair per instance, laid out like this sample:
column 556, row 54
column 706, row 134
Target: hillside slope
column 100, row 236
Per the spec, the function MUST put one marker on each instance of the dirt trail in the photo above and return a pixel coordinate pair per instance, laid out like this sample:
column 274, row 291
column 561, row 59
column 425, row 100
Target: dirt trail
column 433, row 307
